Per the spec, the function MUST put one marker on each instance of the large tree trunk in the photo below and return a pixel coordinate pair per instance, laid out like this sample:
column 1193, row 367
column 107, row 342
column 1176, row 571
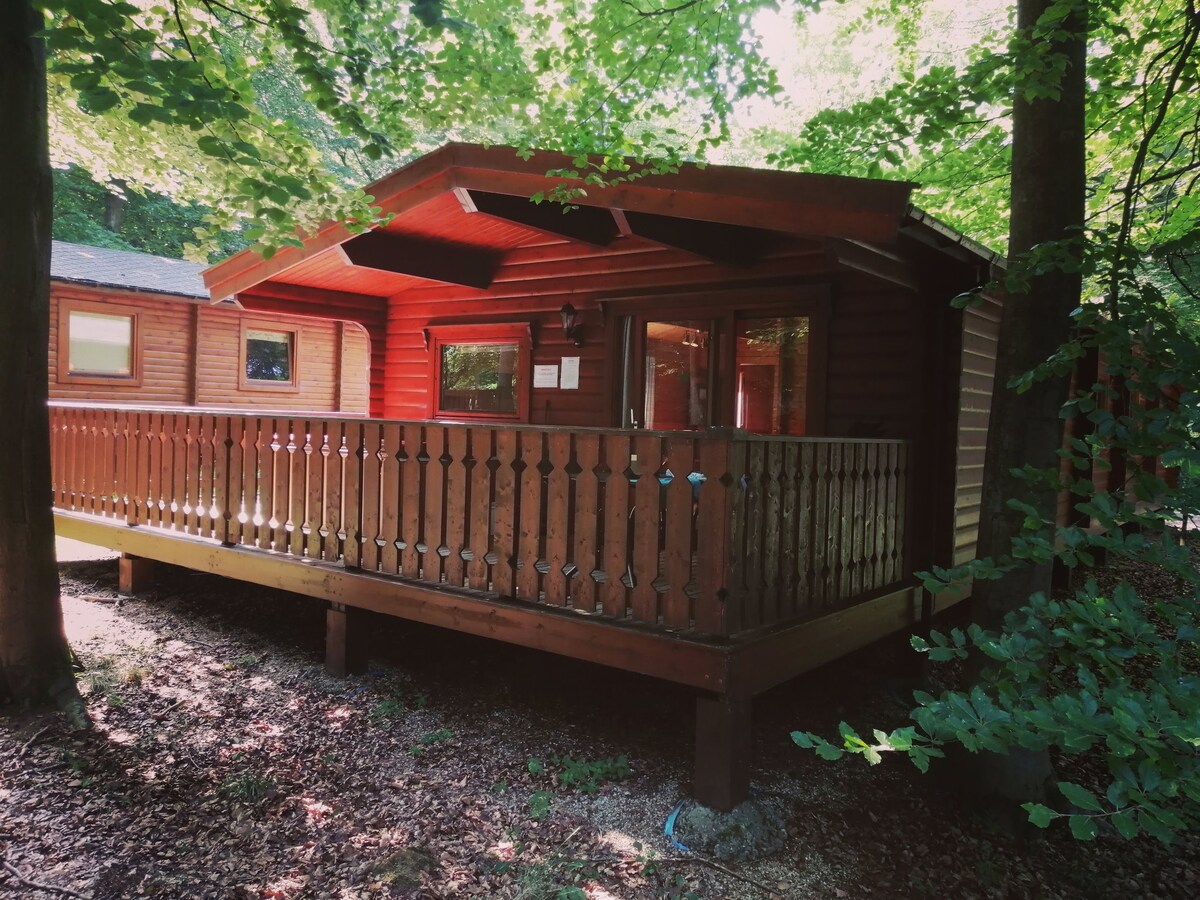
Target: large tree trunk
column 1048, row 180
column 35, row 665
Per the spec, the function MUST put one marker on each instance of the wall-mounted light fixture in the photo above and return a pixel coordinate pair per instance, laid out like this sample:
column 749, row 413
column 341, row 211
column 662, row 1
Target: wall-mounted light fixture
column 571, row 328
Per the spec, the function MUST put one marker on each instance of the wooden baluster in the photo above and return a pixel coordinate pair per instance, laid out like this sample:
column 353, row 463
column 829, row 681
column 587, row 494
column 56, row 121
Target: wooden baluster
column 353, row 474
column 855, row 466
column 160, row 469
column 410, row 513
column 714, row 531
column 805, row 522
column 480, row 538
column 457, row 478
column 435, row 503
column 292, row 537
column 202, row 522
column 531, row 526
column 844, row 485
column 751, row 548
column 821, row 541
column 227, row 476
column 316, row 460
column 121, row 465
column 389, row 492
column 258, row 532
column 789, row 576
column 247, row 498
column 281, row 503
column 587, row 512
column 647, row 526
column 141, row 481
column 678, row 532
column 70, row 458
column 558, row 521
column 870, row 525
column 107, row 455
column 335, row 487
column 372, row 476
column 57, row 475
column 504, row 496
column 177, row 446
column 773, row 530
column 614, row 557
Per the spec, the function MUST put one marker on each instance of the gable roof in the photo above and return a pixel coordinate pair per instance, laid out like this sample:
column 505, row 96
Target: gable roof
column 103, row 267
column 460, row 209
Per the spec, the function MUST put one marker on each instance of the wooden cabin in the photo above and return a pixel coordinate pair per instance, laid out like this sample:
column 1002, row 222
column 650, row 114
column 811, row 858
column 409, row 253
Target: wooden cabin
column 702, row 426
column 134, row 328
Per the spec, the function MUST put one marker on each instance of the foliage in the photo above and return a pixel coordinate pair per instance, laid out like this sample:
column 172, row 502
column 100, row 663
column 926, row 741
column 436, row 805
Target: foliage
column 247, row 788
column 1111, row 675
column 180, row 90
column 581, row 774
column 152, row 222
column 587, row 775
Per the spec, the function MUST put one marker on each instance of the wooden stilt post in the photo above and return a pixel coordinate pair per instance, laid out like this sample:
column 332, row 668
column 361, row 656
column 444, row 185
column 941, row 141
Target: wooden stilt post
column 134, row 574
column 722, row 776
column 345, row 640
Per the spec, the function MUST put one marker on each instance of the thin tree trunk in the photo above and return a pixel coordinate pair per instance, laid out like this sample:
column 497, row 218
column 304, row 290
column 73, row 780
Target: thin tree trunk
column 115, row 204
column 35, row 665
column 1048, row 180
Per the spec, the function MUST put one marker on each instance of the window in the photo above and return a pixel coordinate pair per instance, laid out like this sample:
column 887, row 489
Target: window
column 97, row 343
column 268, row 357
column 480, row 371
column 748, row 359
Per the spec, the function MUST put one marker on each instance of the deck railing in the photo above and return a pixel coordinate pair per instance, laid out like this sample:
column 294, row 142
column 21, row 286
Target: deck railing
column 709, row 533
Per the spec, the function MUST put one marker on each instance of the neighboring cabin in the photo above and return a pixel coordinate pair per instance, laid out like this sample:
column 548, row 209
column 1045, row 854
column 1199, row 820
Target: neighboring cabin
column 134, row 328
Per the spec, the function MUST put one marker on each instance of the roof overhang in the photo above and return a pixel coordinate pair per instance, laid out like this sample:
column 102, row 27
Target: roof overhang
column 685, row 209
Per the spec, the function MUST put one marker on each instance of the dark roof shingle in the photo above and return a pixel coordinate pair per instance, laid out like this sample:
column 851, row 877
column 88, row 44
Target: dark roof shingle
column 127, row 269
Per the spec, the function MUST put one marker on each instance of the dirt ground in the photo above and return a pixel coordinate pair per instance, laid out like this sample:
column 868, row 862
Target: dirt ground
column 225, row 764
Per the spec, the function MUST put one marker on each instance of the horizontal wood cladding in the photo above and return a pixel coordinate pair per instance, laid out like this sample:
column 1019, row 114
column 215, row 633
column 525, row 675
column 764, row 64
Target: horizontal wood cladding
column 188, row 356
column 162, row 327
column 870, row 387
column 980, row 338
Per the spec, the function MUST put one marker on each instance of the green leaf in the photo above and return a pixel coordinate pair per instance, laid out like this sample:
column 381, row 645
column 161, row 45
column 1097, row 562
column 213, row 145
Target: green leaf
column 1039, row 815
column 1083, row 828
column 1080, row 797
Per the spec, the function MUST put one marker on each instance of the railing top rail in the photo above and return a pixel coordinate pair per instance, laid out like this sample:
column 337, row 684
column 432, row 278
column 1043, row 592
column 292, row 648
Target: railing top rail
column 728, row 434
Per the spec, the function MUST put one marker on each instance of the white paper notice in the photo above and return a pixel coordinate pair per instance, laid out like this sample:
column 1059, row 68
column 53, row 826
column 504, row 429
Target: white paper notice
column 570, row 373
column 545, row 376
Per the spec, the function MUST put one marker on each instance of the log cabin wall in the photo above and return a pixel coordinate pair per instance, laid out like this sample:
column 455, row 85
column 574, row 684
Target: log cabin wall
column 188, row 355
column 871, row 387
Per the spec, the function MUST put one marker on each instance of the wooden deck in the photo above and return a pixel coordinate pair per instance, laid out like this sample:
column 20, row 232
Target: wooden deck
column 718, row 560
column 708, row 534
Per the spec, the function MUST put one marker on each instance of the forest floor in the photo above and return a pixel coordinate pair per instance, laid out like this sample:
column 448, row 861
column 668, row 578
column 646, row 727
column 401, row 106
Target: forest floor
column 225, row 763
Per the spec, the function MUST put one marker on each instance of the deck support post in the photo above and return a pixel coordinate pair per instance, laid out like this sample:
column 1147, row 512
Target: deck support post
column 135, row 574
column 723, row 739
column 345, row 640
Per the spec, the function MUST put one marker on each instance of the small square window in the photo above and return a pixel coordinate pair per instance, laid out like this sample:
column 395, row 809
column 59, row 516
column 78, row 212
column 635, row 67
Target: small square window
column 100, row 344
column 480, row 371
column 270, row 356
column 479, row 378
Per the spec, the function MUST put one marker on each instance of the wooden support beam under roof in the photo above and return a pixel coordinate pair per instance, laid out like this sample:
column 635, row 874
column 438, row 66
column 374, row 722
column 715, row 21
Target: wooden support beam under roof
column 736, row 245
column 588, row 224
column 419, row 257
column 873, row 260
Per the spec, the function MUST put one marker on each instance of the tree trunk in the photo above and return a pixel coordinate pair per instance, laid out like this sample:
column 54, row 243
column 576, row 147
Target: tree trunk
column 115, row 204
column 1048, row 181
column 35, row 665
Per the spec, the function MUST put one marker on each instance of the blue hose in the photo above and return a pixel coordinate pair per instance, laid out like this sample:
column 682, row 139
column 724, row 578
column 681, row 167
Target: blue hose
column 669, row 828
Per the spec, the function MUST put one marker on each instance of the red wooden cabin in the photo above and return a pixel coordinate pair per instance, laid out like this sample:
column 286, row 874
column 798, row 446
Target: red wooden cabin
column 703, row 426
column 136, row 328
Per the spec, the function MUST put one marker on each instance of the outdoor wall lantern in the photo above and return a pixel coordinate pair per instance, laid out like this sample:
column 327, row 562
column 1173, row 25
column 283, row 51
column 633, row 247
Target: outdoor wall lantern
column 571, row 329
